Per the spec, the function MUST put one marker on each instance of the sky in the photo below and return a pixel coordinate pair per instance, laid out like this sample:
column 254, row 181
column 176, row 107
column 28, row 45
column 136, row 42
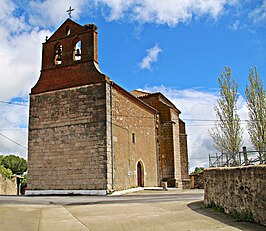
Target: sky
column 177, row 47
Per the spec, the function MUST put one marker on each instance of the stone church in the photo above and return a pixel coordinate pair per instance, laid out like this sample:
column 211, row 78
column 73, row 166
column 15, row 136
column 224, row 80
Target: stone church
column 88, row 135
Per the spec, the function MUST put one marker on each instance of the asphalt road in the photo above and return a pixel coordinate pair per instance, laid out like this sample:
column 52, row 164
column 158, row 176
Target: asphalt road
column 146, row 196
column 144, row 210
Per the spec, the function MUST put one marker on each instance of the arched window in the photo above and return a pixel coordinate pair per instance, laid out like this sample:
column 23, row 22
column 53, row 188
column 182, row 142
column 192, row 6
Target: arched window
column 133, row 137
column 68, row 31
column 58, row 54
column 77, row 51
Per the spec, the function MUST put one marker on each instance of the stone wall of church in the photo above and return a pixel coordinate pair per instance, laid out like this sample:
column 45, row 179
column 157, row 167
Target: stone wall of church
column 184, row 155
column 67, row 139
column 176, row 144
column 167, row 151
column 173, row 143
column 134, row 140
column 166, row 148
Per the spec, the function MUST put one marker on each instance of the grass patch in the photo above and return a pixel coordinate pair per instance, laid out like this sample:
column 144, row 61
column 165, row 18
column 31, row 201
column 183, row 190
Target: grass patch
column 215, row 207
column 246, row 216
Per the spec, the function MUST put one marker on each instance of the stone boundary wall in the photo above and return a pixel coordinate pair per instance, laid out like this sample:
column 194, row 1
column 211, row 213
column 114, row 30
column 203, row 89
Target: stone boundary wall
column 197, row 180
column 240, row 191
column 8, row 186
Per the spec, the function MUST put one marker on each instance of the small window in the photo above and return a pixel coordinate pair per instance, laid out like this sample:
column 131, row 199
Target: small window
column 133, row 138
column 68, row 31
column 58, row 55
column 77, row 51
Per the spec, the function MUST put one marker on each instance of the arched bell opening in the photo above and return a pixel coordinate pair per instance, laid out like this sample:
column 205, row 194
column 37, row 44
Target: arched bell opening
column 77, row 50
column 58, row 52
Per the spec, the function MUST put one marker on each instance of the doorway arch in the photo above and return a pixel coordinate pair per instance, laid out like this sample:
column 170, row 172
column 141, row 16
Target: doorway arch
column 140, row 174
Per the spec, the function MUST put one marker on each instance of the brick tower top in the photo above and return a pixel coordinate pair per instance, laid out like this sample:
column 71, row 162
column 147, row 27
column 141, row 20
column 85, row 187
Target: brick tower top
column 70, row 58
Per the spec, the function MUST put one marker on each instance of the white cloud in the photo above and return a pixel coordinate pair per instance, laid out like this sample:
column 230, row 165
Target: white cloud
column 13, row 124
column 258, row 15
column 151, row 57
column 17, row 135
column 8, row 21
column 53, row 12
column 197, row 110
column 20, row 63
column 20, row 55
column 117, row 7
column 235, row 26
column 170, row 12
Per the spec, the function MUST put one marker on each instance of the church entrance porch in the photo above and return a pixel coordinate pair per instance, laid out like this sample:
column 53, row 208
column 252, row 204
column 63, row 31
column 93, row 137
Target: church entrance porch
column 140, row 174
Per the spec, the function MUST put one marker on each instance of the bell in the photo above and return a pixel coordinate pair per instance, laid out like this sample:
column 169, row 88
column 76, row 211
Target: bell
column 59, row 58
column 78, row 53
column 59, row 54
column 59, row 50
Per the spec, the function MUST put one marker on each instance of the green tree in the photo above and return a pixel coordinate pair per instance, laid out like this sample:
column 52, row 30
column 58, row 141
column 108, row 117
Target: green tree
column 1, row 158
column 5, row 172
column 16, row 164
column 256, row 103
column 227, row 132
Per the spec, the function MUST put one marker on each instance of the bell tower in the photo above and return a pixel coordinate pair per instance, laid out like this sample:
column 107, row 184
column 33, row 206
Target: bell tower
column 70, row 58
column 68, row 149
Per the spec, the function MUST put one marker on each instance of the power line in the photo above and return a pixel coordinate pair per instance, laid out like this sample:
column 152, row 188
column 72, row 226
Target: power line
column 200, row 120
column 216, row 120
column 13, row 129
column 13, row 141
column 149, row 117
column 192, row 120
column 17, row 104
column 199, row 158
column 196, row 120
column 202, row 125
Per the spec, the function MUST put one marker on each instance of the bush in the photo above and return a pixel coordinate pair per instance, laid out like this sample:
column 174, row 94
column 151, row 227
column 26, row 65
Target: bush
column 24, row 184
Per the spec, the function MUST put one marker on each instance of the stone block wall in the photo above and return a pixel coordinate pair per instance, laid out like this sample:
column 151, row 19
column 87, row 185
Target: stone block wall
column 240, row 191
column 176, row 149
column 8, row 186
column 173, row 153
column 130, row 116
column 184, row 155
column 197, row 180
column 67, row 139
column 166, row 145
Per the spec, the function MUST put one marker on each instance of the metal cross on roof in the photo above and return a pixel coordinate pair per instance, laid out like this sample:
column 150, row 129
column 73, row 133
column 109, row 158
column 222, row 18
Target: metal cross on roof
column 69, row 11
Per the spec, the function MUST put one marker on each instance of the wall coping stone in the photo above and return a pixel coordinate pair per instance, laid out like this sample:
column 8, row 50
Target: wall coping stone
column 237, row 167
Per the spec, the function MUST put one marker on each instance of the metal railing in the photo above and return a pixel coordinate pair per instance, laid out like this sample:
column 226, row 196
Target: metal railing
column 238, row 159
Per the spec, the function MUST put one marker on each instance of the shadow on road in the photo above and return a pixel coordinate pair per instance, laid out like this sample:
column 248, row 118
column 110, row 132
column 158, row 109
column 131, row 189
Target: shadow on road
column 199, row 207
